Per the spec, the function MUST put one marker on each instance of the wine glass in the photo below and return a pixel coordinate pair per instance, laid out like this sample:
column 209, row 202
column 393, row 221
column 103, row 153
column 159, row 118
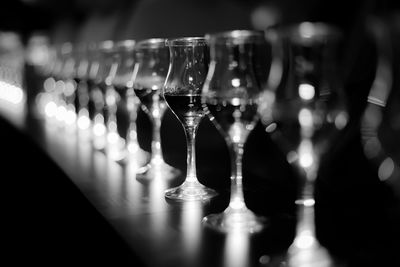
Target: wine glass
column 45, row 101
column 61, row 73
column 69, row 90
column 230, row 96
column 380, row 123
column 115, row 143
column 189, row 58
column 37, row 61
column 101, row 75
column 86, row 51
column 150, row 71
column 48, row 101
column 304, row 115
column 122, row 106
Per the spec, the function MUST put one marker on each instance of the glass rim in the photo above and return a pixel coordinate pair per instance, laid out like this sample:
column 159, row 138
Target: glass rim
column 151, row 43
column 306, row 32
column 236, row 36
column 187, row 41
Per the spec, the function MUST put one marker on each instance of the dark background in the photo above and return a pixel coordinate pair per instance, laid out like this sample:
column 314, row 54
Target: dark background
column 173, row 17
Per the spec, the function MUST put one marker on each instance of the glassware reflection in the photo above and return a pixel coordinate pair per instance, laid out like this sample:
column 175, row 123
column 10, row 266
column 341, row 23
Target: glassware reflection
column 230, row 96
column 37, row 58
column 151, row 67
column 92, row 90
column 115, row 143
column 189, row 58
column 237, row 249
column 101, row 74
column 81, row 78
column 157, row 204
column 44, row 63
column 58, row 110
column 123, row 107
column 192, row 212
column 304, row 115
column 69, row 90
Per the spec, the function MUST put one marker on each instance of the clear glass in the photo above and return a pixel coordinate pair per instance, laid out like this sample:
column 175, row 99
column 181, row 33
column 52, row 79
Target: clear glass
column 380, row 123
column 304, row 115
column 230, row 96
column 189, row 59
column 150, row 72
column 122, row 106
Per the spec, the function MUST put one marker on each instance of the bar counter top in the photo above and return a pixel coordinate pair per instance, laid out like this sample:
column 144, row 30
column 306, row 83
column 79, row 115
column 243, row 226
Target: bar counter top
column 68, row 203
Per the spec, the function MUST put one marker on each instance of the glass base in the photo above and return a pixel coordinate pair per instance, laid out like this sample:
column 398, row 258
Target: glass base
column 137, row 159
column 242, row 220
column 156, row 169
column 190, row 191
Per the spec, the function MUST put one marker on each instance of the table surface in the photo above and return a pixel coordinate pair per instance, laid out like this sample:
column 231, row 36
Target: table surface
column 357, row 218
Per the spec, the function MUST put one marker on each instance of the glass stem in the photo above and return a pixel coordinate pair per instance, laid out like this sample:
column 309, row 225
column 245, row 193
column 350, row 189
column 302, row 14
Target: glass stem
column 132, row 133
column 157, row 113
column 190, row 132
column 156, row 142
column 237, row 199
column 132, row 103
column 307, row 193
column 306, row 203
column 131, row 138
column 305, row 221
column 111, row 121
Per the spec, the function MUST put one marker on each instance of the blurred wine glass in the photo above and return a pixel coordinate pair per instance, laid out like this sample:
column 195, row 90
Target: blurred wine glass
column 123, row 106
column 150, row 71
column 304, row 115
column 101, row 73
column 69, row 89
column 230, row 96
column 85, row 51
column 37, row 59
column 40, row 55
column 189, row 59
column 62, row 69
column 380, row 123
column 46, row 100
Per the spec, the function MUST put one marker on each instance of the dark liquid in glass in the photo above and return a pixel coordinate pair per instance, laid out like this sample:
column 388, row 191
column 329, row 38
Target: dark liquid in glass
column 148, row 98
column 188, row 108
